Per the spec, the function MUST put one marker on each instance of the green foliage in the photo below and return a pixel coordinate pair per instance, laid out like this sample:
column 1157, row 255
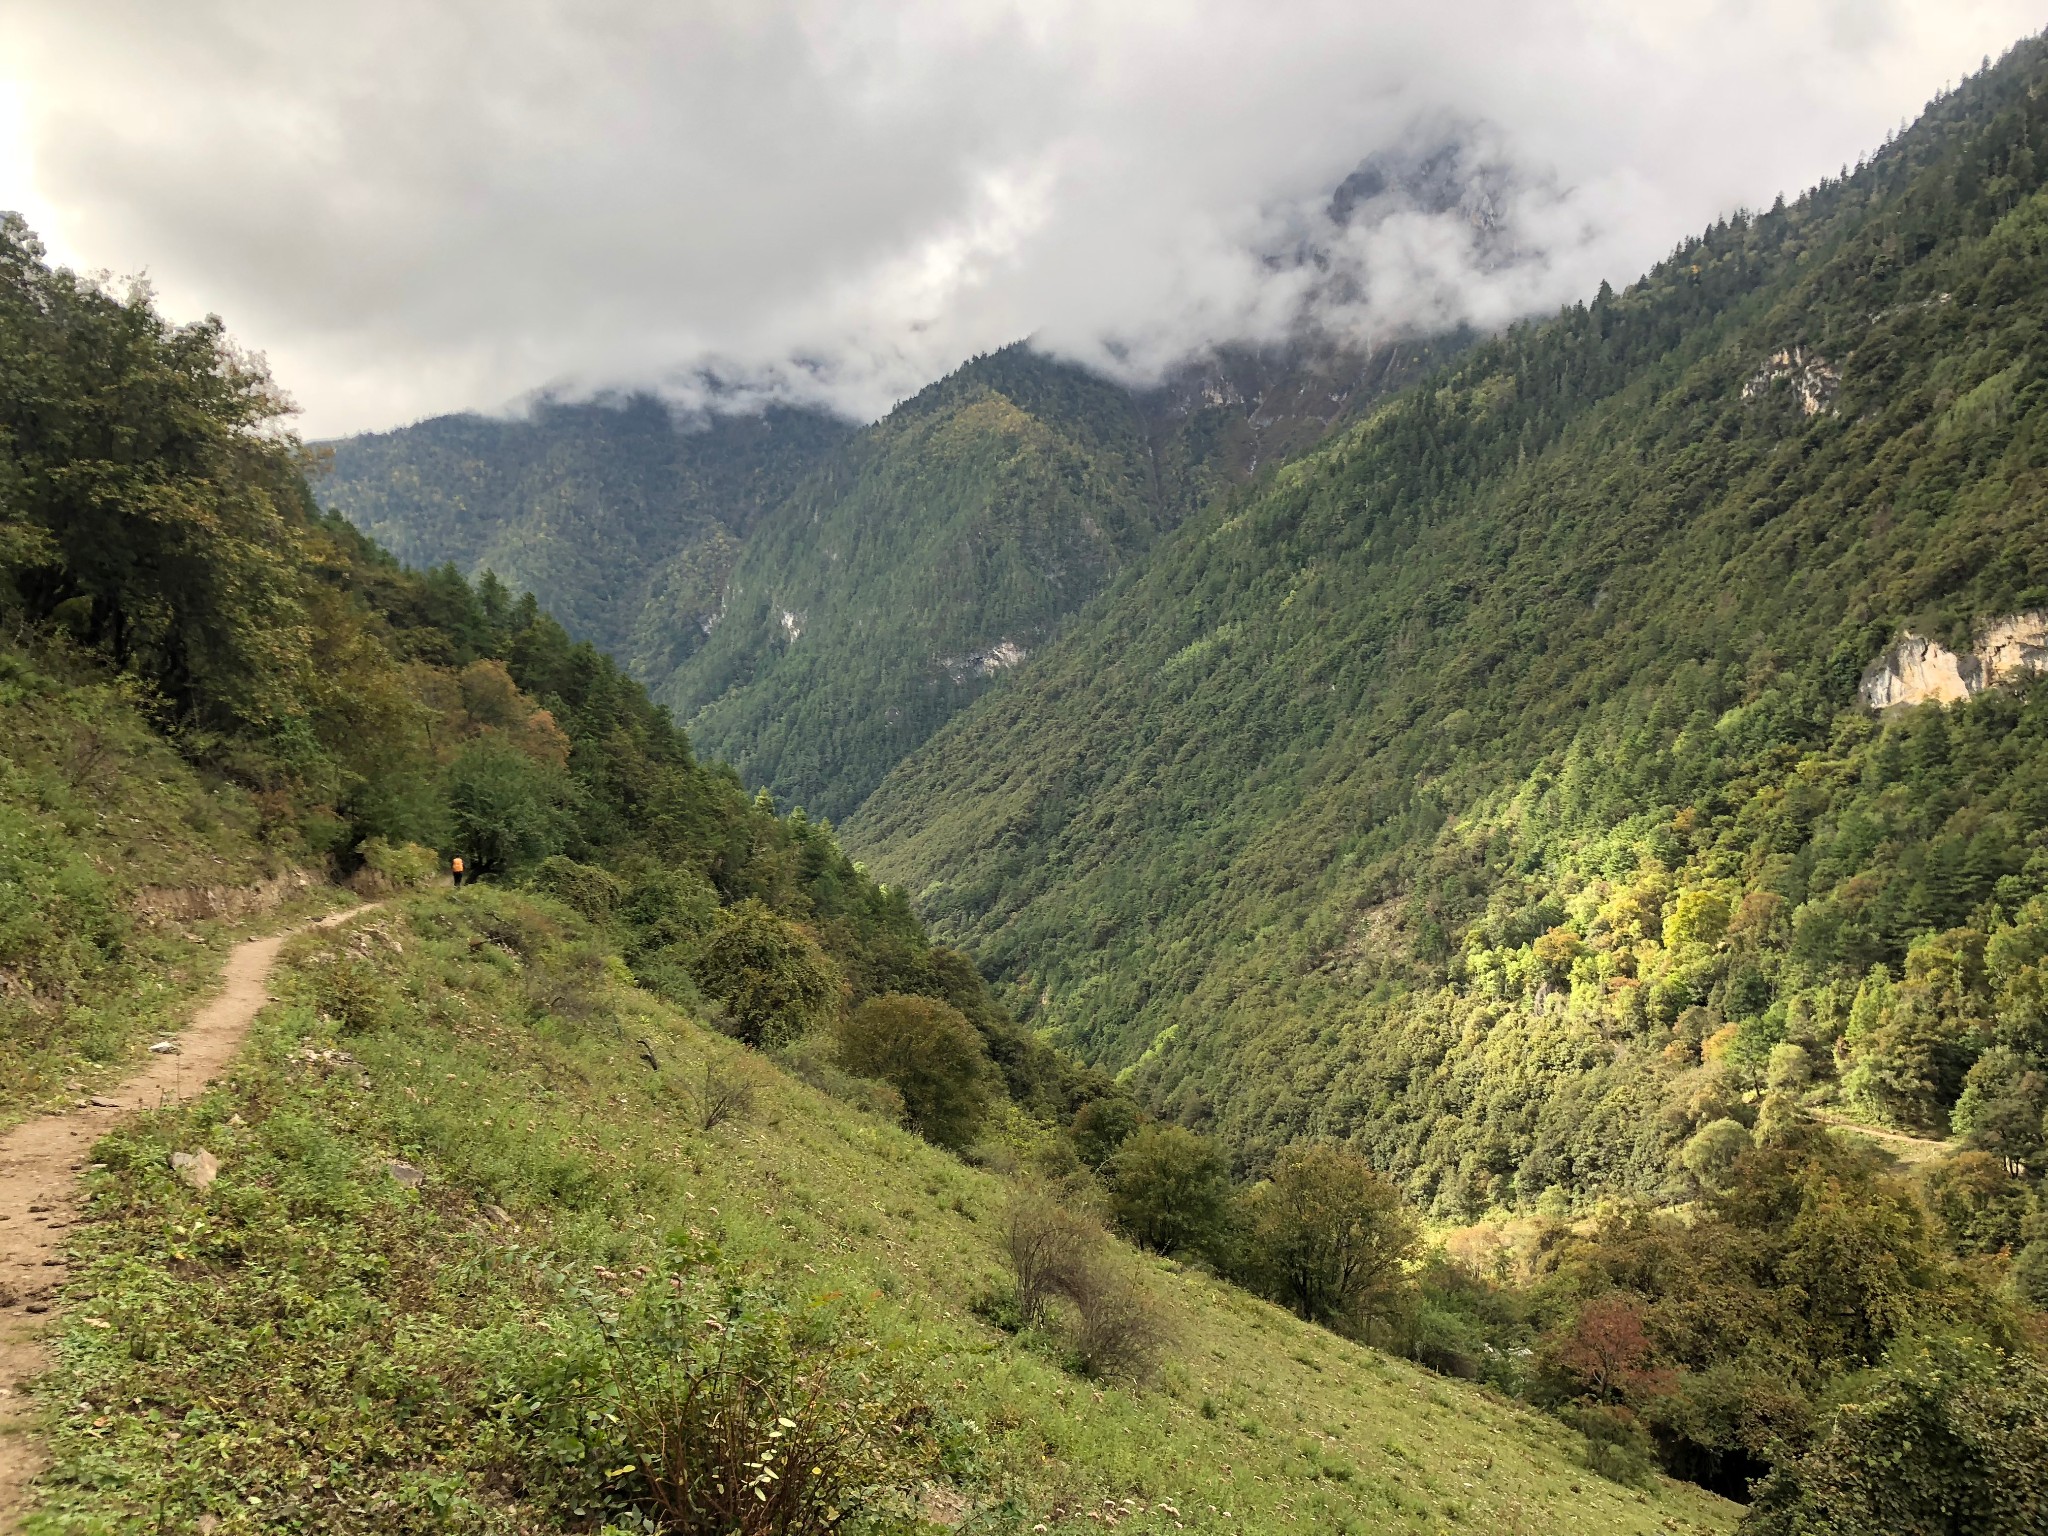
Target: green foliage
column 1948, row 1438
column 1617, row 1445
column 603, row 511
column 153, row 508
column 506, row 811
column 775, row 983
column 1712, row 1153
column 593, row 892
column 728, row 1412
column 357, row 1356
column 1727, row 1332
column 399, row 866
column 927, row 1052
column 1327, row 1236
column 816, row 601
column 1414, row 797
column 1170, row 1192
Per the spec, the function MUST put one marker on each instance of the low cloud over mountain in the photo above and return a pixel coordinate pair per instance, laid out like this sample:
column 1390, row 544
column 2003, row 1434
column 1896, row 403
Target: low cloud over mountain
column 421, row 209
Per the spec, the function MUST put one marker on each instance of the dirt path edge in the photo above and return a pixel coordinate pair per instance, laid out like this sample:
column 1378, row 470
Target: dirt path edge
column 40, row 1162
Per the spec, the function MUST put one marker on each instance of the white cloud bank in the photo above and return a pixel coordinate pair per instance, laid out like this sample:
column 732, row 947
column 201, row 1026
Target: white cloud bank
column 415, row 208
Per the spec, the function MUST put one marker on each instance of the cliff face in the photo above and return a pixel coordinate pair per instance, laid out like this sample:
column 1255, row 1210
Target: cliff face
column 1916, row 670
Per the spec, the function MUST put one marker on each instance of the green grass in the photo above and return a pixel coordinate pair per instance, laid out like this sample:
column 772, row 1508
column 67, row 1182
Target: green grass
column 309, row 1345
column 102, row 827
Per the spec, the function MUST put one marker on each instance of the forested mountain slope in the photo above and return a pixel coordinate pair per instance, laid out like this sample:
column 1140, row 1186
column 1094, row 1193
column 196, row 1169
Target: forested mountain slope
column 594, row 507
column 623, row 1172
column 815, row 602
column 1493, row 787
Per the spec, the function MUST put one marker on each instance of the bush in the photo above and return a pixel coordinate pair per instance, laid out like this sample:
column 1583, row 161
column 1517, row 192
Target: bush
column 771, row 976
column 389, row 867
column 1947, row 1438
column 352, row 993
column 583, row 888
column 1110, row 1325
column 929, row 1053
column 1170, row 1192
column 1044, row 1243
column 1712, row 1153
column 735, row 1414
column 724, row 1093
column 1617, row 1445
column 1101, row 1126
column 812, row 1061
column 507, row 810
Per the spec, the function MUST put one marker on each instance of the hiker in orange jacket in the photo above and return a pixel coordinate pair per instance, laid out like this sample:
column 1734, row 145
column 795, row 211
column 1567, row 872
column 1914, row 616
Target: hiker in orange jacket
column 457, row 867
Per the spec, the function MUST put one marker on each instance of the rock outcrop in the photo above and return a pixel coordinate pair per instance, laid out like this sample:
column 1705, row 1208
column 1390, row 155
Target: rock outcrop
column 1916, row 670
column 1814, row 379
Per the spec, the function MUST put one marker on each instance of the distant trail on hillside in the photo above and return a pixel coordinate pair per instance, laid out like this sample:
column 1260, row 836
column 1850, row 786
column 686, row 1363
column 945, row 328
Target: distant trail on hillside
column 39, row 1191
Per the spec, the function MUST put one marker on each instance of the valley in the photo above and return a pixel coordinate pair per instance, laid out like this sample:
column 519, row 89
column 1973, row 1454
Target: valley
column 1444, row 931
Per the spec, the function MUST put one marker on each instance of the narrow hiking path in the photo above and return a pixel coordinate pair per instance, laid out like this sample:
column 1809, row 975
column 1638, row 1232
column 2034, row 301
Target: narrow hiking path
column 1917, row 1149
column 40, row 1161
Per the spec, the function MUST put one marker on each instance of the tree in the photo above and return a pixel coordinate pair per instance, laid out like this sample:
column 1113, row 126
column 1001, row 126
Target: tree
column 1327, row 1236
column 507, row 811
column 1947, row 1440
column 151, row 503
column 1170, row 1191
column 1607, row 1353
column 928, row 1052
column 1101, row 1126
column 1713, row 1150
column 770, row 974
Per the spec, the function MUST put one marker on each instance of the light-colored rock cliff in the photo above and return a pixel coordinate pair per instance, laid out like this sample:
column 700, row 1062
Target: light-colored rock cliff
column 1916, row 670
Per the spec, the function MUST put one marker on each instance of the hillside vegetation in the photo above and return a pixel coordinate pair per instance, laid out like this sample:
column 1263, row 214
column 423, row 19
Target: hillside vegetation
column 604, row 511
column 813, row 602
column 482, row 1116
column 1492, row 790
column 328, row 1349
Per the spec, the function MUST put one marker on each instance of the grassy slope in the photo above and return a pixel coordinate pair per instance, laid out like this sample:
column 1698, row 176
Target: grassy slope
column 101, row 817
column 309, row 1346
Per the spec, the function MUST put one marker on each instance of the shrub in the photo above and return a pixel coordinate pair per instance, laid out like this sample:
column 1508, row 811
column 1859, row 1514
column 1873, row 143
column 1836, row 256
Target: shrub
column 1056, row 1255
column 735, row 1414
column 1170, row 1191
column 771, row 976
column 1044, row 1243
column 1712, row 1153
column 1101, row 1126
column 928, row 1052
column 352, row 993
column 389, row 867
column 1946, row 1438
column 507, row 811
column 1617, row 1445
column 584, row 888
column 724, row 1093
column 815, row 1064
column 1117, row 1331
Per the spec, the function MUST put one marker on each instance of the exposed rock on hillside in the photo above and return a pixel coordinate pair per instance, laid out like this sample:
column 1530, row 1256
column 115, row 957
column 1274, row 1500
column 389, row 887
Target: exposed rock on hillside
column 1916, row 670
column 1814, row 379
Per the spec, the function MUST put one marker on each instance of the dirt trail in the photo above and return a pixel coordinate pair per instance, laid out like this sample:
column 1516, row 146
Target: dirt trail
column 1920, row 1148
column 39, row 1191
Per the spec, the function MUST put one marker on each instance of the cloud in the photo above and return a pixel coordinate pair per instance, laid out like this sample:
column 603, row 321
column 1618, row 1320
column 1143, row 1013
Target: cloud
column 415, row 209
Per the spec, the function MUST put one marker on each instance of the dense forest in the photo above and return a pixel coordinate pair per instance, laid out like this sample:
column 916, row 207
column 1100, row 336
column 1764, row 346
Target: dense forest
column 1494, row 789
column 814, row 602
column 160, row 532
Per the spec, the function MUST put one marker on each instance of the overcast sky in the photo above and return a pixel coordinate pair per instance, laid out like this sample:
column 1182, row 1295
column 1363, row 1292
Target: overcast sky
column 417, row 208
